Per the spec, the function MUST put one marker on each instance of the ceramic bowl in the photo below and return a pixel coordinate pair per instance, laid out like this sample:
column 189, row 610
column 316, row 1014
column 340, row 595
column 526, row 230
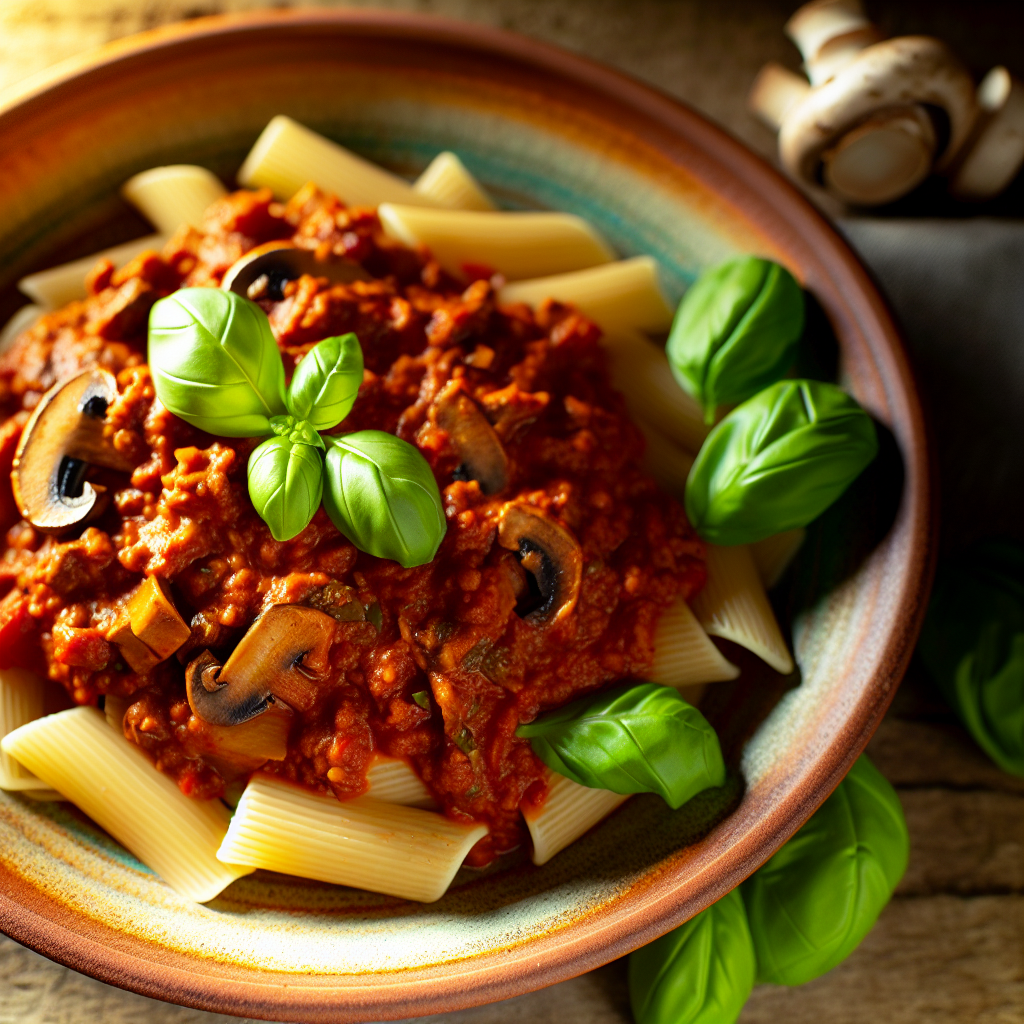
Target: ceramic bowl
column 540, row 128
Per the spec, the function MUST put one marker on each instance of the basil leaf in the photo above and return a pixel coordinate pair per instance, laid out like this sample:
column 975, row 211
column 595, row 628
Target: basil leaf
column 285, row 484
column 382, row 495
column 642, row 738
column 736, row 331
column 777, row 462
column 700, row 973
column 215, row 362
column 295, row 430
column 326, row 382
column 972, row 645
column 810, row 906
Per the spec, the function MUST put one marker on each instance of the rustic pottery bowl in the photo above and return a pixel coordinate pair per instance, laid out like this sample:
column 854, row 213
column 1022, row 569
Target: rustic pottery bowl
column 541, row 128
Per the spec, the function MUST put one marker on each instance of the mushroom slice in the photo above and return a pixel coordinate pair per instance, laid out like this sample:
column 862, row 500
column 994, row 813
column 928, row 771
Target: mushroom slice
column 283, row 652
column 154, row 629
column 550, row 553
column 472, row 436
column 63, row 438
column 263, row 272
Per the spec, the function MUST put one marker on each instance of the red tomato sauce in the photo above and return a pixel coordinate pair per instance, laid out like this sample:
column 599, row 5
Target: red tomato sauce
column 433, row 664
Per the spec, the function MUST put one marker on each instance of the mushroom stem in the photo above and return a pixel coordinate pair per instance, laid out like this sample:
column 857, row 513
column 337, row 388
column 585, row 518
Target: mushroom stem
column 775, row 92
column 281, row 656
column 830, row 34
column 995, row 152
column 550, row 553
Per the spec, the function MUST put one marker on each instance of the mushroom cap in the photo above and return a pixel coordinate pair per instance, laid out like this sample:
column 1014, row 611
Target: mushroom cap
column 282, row 261
column 893, row 73
column 63, row 437
column 280, row 656
column 472, row 436
column 548, row 551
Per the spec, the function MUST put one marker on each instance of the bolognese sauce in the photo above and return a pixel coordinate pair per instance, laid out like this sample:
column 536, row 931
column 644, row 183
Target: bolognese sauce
column 437, row 664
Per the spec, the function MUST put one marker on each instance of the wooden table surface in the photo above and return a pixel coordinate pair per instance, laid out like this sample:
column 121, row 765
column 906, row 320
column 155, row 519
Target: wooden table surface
column 949, row 949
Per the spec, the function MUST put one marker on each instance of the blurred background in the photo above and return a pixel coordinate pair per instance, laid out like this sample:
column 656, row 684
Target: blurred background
column 949, row 949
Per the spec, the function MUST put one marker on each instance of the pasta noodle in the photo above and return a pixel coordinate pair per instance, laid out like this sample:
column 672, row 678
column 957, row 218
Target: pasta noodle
column 23, row 319
column 392, row 781
column 620, row 295
column 733, row 605
column 56, row 287
column 21, row 701
column 366, row 843
column 288, row 154
column 640, row 370
column 76, row 753
column 668, row 463
column 44, row 796
column 568, row 811
column 447, row 181
column 516, row 245
column 171, row 196
column 773, row 555
column 684, row 655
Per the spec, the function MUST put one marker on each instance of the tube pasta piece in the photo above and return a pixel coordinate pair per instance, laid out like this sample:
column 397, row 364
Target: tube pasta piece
column 114, row 709
column 56, row 287
column 620, row 295
column 45, row 796
column 640, row 370
column 21, row 701
column 447, row 181
column 734, row 606
column 517, row 245
column 76, row 753
column 773, row 555
column 288, row 154
column 22, row 320
column 668, row 463
column 174, row 195
column 568, row 811
column 392, row 781
column 365, row 843
column 684, row 655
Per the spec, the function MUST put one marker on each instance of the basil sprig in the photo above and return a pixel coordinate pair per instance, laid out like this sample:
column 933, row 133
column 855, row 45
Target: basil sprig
column 972, row 645
column 736, row 331
column 642, row 738
column 811, row 905
column 700, row 973
column 778, row 461
column 216, row 365
column 382, row 495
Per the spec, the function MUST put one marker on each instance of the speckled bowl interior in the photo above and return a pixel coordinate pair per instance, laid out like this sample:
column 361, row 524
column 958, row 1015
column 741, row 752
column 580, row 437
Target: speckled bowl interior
column 540, row 129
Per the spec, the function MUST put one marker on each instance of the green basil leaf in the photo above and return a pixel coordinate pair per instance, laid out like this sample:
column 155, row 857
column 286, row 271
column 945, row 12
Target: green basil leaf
column 736, row 331
column 382, row 495
column 286, row 480
column 972, row 645
column 296, row 430
column 215, row 362
column 326, row 382
column 810, row 906
column 778, row 461
column 700, row 973
column 642, row 738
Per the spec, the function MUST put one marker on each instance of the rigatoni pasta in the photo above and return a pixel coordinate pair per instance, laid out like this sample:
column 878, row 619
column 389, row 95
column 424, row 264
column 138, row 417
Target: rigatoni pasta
column 20, row 321
column 622, row 295
column 174, row 195
column 392, row 781
column 77, row 753
column 366, row 843
column 684, row 654
column 448, row 183
column 734, row 606
column 288, row 154
column 21, row 701
column 568, row 811
column 516, row 245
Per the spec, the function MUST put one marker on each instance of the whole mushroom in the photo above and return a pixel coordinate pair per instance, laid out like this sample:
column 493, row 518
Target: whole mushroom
column 877, row 116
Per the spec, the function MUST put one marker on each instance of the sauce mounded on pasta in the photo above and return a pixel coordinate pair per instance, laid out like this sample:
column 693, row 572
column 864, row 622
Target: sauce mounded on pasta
column 436, row 664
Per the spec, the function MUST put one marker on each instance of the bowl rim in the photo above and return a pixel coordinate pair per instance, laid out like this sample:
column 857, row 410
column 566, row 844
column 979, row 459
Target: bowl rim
column 663, row 903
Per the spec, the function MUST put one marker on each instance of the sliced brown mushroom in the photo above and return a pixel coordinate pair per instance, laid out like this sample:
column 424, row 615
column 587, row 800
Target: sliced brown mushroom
column 281, row 655
column 263, row 272
column 550, row 553
column 63, row 438
column 154, row 629
column 473, row 437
